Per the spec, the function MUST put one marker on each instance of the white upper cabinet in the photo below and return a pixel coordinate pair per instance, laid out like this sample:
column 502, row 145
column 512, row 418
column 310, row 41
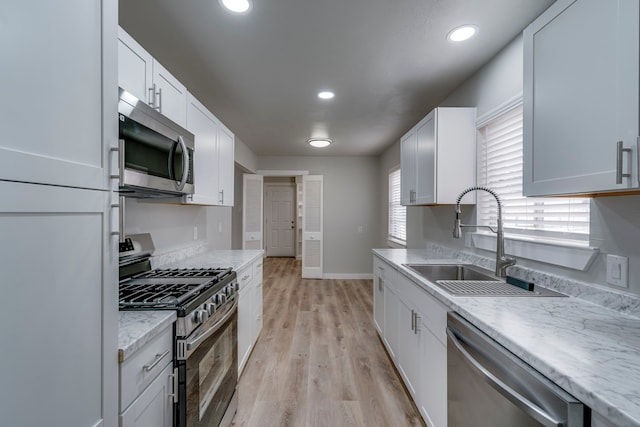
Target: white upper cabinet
column 581, row 97
column 226, row 157
column 213, row 157
column 144, row 77
column 170, row 95
column 52, row 93
column 437, row 157
column 135, row 67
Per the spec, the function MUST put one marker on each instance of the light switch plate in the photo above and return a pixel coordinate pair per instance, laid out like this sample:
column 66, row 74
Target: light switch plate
column 618, row 270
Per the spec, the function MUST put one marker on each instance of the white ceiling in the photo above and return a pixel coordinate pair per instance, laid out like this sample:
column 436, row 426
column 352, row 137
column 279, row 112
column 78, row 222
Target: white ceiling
column 387, row 60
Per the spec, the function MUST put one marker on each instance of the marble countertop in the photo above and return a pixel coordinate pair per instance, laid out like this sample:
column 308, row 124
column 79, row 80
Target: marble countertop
column 591, row 351
column 136, row 328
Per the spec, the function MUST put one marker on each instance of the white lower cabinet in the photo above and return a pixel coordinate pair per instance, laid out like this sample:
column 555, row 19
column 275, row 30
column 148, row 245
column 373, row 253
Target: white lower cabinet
column 249, row 310
column 414, row 333
column 432, row 384
column 147, row 384
column 154, row 407
column 408, row 346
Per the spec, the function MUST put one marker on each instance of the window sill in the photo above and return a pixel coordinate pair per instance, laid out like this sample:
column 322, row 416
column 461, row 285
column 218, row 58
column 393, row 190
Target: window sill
column 396, row 244
column 565, row 253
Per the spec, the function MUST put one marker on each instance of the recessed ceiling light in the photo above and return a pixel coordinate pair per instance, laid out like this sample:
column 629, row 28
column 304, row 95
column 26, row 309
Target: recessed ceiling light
column 319, row 142
column 326, row 95
column 462, row 33
column 237, row 6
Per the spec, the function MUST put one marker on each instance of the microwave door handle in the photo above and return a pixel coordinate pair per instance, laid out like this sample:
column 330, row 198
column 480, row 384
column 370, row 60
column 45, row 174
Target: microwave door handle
column 185, row 163
column 172, row 155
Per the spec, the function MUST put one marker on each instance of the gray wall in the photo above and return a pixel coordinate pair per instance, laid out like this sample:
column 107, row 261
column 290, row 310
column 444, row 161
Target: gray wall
column 615, row 221
column 351, row 200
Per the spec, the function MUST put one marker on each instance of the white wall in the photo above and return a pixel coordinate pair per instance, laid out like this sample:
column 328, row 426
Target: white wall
column 171, row 225
column 615, row 221
column 351, row 200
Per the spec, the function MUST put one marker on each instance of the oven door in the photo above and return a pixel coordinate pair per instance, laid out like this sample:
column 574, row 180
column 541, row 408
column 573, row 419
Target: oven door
column 209, row 374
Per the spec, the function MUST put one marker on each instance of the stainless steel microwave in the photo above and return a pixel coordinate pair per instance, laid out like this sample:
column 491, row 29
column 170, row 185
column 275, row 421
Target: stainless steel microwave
column 156, row 154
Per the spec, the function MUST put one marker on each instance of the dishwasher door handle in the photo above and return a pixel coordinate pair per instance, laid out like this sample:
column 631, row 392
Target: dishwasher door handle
column 516, row 398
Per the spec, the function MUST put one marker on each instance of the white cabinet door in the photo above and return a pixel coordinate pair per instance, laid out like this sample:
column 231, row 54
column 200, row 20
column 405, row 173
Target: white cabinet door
column 226, row 155
column 425, row 156
column 245, row 322
column 59, row 311
column 204, row 127
column 391, row 309
column 432, row 381
column 437, row 157
column 312, row 228
column 154, row 406
column 378, row 303
column 135, row 67
column 171, row 99
column 581, row 97
column 252, row 212
column 408, row 345
column 59, row 97
column 408, row 150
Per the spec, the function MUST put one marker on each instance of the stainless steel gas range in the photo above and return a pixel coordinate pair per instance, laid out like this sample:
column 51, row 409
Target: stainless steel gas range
column 206, row 355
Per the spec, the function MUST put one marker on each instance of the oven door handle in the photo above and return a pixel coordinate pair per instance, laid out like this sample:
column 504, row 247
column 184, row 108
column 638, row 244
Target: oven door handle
column 195, row 342
column 516, row 398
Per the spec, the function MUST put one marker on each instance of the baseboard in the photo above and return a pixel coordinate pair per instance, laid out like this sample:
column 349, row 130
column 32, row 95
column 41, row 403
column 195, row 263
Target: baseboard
column 345, row 276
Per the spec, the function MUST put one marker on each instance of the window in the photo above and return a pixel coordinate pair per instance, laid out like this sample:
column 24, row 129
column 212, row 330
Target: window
column 500, row 168
column 397, row 212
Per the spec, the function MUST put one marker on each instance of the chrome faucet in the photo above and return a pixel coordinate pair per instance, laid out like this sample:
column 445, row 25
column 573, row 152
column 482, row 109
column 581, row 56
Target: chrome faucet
column 502, row 261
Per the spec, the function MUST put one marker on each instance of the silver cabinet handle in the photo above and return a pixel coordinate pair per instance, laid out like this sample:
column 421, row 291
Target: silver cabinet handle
column 415, row 327
column 159, row 107
column 152, row 96
column 516, row 398
column 221, row 192
column 157, row 360
column 413, row 319
column 174, row 387
column 619, row 162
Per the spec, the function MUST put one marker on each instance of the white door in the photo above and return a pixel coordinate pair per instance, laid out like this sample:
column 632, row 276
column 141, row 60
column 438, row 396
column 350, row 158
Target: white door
column 280, row 219
column 312, row 227
column 252, row 211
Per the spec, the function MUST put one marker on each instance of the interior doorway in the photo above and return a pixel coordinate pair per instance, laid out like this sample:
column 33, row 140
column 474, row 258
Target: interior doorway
column 280, row 217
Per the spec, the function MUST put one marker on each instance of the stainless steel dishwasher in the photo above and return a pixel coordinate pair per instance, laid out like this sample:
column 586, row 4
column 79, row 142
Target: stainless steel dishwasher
column 487, row 386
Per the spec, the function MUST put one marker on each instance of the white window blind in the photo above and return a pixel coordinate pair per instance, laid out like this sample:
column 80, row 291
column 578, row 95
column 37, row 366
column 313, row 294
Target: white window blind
column 500, row 168
column 397, row 212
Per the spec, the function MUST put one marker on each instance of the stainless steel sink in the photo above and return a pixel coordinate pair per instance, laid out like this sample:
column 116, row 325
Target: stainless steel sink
column 435, row 272
column 469, row 280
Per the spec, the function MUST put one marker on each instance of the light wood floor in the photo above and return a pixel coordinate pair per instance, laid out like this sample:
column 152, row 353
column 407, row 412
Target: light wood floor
column 318, row 360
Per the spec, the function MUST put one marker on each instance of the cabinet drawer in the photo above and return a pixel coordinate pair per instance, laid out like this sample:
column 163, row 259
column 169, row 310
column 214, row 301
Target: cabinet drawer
column 137, row 372
column 244, row 277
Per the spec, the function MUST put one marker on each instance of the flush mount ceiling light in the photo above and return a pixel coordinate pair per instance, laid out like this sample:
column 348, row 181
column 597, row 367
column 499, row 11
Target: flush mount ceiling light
column 319, row 142
column 236, row 6
column 462, row 33
column 326, row 95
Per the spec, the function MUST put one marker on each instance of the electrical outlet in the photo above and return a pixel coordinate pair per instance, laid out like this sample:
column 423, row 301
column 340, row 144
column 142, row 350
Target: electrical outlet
column 360, row 229
column 219, row 227
column 195, row 232
column 618, row 270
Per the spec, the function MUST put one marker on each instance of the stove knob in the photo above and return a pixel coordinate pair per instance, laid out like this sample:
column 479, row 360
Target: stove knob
column 200, row 316
column 211, row 308
column 223, row 298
